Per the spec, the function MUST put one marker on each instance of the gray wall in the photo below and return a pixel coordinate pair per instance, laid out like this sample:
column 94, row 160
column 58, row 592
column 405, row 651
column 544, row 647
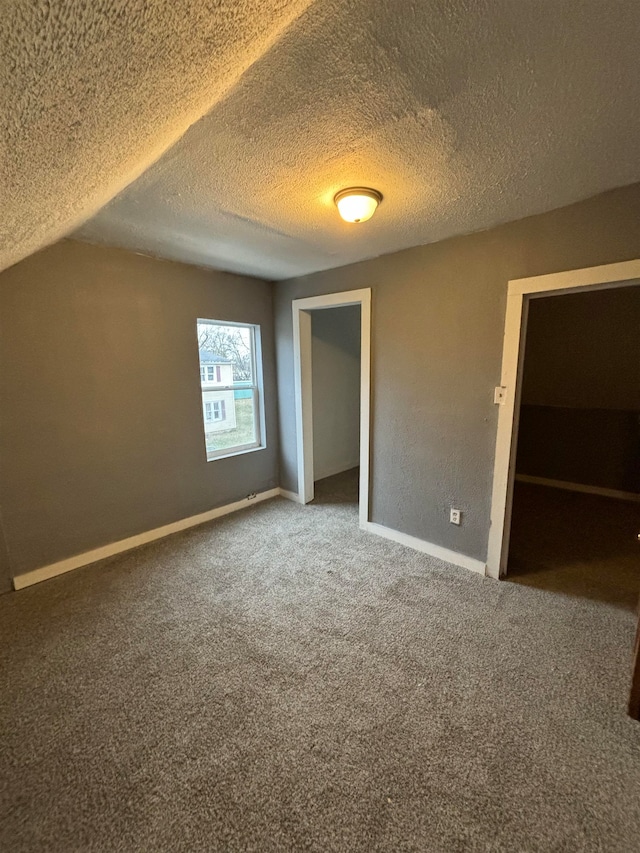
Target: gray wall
column 580, row 414
column 583, row 351
column 438, row 322
column 335, row 357
column 101, row 433
column 593, row 447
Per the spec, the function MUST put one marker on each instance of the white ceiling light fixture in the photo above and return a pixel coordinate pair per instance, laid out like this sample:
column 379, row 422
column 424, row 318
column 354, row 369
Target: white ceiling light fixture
column 357, row 204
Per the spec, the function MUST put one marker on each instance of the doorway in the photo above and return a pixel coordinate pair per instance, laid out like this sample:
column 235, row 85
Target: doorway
column 508, row 395
column 577, row 472
column 325, row 456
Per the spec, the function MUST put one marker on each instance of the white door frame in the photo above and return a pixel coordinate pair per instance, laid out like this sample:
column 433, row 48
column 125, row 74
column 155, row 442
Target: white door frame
column 519, row 293
column 303, row 387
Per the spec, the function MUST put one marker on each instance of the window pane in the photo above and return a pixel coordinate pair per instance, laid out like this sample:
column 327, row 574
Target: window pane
column 234, row 420
column 226, row 351
column 230, row 397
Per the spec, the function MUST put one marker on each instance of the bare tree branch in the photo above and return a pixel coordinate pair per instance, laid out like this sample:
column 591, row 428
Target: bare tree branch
column 229, row 343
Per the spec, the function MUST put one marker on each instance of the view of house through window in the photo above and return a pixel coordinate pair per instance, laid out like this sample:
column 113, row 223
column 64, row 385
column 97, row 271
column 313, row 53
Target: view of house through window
column 230, row 392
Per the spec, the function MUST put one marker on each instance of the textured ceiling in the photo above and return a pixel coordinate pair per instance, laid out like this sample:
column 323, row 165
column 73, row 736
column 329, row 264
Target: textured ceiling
column 92, row 92
column 464, row 113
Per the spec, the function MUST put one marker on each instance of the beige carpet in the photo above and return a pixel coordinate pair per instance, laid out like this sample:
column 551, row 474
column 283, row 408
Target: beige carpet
column 280, row 681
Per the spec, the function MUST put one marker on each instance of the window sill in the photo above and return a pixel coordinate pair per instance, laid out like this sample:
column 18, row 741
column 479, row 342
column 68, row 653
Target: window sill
column 224, row 455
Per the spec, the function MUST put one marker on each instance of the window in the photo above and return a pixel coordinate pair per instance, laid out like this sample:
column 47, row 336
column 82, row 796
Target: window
column 215, row 410
column 232, row 409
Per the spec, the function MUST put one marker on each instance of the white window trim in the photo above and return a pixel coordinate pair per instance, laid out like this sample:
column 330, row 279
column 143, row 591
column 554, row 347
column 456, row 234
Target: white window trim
column 256, row 388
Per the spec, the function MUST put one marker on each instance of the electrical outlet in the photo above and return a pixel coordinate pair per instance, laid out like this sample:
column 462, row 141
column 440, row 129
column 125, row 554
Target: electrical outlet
column 455, row 516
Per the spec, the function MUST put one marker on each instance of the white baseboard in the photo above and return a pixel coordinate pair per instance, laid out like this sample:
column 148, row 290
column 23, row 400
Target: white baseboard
column 97, row 554
column 426, row 547
column 68, row 565
column 579, row 487
column 291, row 496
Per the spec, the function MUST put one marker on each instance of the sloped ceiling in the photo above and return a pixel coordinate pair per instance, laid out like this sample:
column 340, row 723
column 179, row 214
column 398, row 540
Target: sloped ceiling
column 92, row 92
column 463, row 113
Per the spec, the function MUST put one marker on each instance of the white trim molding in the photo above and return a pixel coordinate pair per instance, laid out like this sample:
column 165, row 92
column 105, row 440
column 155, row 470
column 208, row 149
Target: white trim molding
column 301, row 309
column 94, row 556
column 429, row 548
column 519, row 292
column 291, row 496
column 97, row 554
column 602, row 492
column 607, row 275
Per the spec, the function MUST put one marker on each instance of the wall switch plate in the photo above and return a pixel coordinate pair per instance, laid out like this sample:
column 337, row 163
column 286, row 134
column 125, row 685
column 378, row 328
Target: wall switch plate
column 455, row 516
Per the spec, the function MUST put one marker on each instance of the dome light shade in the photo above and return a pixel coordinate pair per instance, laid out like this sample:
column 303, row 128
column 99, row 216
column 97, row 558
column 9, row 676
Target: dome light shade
column 357, row 204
